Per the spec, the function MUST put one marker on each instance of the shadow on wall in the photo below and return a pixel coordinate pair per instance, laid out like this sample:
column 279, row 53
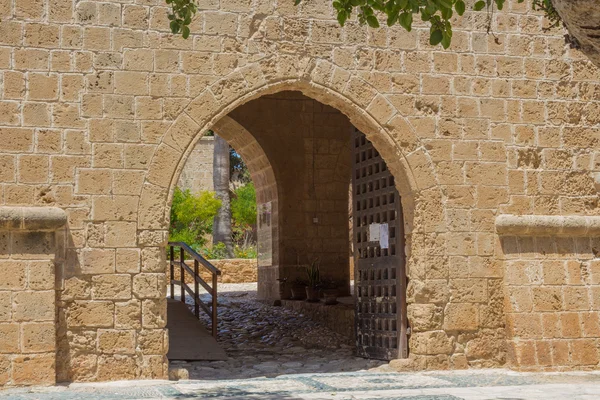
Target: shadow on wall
column 72, row 285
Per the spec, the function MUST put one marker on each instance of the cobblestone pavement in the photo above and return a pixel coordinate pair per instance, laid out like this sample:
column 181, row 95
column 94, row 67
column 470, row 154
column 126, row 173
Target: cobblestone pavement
column 456, row 385
column 262, row 340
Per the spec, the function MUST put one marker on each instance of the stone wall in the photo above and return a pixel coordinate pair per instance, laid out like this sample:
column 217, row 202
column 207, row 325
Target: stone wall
column 101, row 107
column 235, row 270
column 197, row 175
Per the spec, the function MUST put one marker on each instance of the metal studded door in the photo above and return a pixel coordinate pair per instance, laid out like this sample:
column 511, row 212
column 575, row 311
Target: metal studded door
column 380, row 277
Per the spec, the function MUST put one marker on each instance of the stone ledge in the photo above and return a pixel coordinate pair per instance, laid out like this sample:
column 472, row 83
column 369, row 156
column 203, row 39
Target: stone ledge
column 547, row 225
column 32, row 218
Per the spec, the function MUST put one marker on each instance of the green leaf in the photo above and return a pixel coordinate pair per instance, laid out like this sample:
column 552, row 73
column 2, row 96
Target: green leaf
column 392, row 18
column 342, row 16
column 372, row 21
column 436, row 37
column 445, row 3
column 402, row 4
column 500, row 4
column 460, row 7
column 174, row 27
column 406, row 20
column 479, row 5
column 446, row 13
column 446, row 41
column 185, row 32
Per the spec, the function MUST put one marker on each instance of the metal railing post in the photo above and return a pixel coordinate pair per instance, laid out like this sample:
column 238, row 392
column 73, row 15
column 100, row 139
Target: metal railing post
column 182, row 273
column 214, row 305
column 196, row 295
column 172, row 270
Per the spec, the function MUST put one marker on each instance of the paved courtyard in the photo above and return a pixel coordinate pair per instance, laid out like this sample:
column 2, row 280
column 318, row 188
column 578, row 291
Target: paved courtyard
column 456, row 385
column 262, row 340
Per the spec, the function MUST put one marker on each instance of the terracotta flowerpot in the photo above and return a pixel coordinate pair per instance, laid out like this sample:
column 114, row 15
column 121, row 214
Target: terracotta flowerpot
column 298, row 292
column 312, row 294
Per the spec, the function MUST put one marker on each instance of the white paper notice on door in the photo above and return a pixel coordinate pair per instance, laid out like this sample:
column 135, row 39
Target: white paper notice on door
column 380, row 233
column 384, row 236
column 374, row 232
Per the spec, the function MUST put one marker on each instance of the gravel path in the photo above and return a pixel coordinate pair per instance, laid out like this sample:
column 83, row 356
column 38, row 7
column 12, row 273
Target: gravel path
column 263, row 340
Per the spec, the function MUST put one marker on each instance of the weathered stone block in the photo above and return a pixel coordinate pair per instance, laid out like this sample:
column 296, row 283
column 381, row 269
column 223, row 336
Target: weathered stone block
column 128, row 315
column 9, row 338
column 154, row 313
column 117, row 367
column 128, row 261
column 13, row 275
column 38, row 337
column 461, row 317
column 34, row 369
column 41, row 275
column 90, row 314
column 5, row 306
column 111, row 287
column 98, row 261
column 116, row 342
column 34, row 306
column 147, row 285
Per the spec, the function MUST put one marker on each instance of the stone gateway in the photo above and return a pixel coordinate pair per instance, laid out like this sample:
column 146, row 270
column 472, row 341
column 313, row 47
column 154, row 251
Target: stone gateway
column 493, row 146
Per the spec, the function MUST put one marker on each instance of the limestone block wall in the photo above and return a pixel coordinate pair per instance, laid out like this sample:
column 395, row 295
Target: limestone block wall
column 234, row 270
column 237, row 270
column 197, row 175
column 101, row 106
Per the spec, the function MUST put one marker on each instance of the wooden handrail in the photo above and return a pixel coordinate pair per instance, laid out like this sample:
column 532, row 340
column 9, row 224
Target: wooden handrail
column 198, row 281
column 196, row 257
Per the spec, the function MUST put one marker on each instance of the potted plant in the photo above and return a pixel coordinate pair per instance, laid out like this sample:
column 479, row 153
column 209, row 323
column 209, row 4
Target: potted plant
column 298, row 290
column 314, row 280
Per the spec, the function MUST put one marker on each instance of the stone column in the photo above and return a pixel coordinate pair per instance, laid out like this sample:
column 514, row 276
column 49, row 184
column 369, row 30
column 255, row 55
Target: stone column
column 31, row 243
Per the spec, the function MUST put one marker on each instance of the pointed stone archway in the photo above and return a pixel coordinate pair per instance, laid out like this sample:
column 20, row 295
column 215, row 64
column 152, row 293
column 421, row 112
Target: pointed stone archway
column 383, row 125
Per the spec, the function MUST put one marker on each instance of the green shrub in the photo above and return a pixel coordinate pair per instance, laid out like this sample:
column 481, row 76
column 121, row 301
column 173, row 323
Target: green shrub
column 243, row 217
column 215, row 252
column 192, row 217
column 243, row 205
column 245, row 252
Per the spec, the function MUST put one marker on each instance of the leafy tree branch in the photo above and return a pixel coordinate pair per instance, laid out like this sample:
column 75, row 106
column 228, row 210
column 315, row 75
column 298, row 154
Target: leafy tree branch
column 395, row 12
